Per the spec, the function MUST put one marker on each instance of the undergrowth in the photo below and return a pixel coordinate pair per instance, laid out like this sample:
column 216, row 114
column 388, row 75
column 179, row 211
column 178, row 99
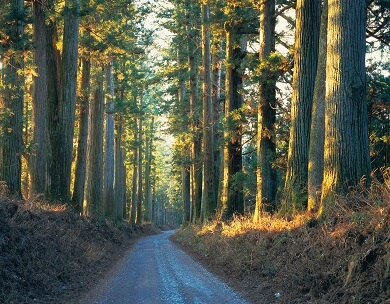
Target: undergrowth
column 343, row 259
column 49, row 255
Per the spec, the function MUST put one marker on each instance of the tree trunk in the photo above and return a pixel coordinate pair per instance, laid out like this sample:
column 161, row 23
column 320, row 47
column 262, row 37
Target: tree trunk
column 133, row 213
column 12, row 102
column 38, row 156
column 232, row 198
column 140, row 182
column 81, row 162
column 53, row 124
column 93, row 201
column 183, row 103
column 68, row 95
column 346, row 159
column 208, row 203
column 109, row 175
column 195, row 106
column 317, row 130
column 217, row 109
column 266, row 147
column 148, row 173
column 120, row 172
column 305, row 68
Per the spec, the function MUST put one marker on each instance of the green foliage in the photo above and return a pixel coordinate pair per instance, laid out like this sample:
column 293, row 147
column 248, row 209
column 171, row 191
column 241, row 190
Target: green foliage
column 379, row 114
column 12, row 16
column 378, row 25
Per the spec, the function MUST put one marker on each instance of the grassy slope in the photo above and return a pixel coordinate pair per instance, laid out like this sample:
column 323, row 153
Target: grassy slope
column 345, row 259
column 51, row 255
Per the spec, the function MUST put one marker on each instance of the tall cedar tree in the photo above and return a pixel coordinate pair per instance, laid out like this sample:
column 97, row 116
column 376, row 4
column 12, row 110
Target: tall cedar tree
column 193, row 71
column 346, row 160
column 139, row 159
column 148, row 216
column 266, row 147
column 120, row 170
column 232, row 198
column 12, row 100
column 81, row 161
column 317, row 130
column 38, row 158
column 208, row 204
column 109, row 163
column 62, row 99
column 305, row 68
column 93, row 200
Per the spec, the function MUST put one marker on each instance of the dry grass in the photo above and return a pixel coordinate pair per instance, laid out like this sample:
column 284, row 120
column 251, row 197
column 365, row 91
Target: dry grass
column 51, row 255
column 343, row 259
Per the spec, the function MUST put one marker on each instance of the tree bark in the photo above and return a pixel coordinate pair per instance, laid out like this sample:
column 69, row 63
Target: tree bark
column 38, row 156
column 53, row 124
column 133, row 213
column 183, row 104
column 317, row 130
column 208, row 204
column 217, row 61
column 232, row 197
column 12, row 103
column 81, row 161
column 305, row 68
column 139, row 159
column 195, row 106
column 68, row 95
column 266, row 147
column 93, row 200
column 148, row 172
column 109, row 175
column 346, row 159
column 120, row 172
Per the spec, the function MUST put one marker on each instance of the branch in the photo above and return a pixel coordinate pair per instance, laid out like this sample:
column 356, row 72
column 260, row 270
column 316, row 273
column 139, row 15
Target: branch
column 286, row 8
column 379, row 38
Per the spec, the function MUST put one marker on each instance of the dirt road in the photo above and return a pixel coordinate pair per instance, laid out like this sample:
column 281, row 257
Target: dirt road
column 155, row 272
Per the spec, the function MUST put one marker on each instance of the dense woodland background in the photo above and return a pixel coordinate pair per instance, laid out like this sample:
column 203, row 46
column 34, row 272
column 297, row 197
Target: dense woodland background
column 180, row 111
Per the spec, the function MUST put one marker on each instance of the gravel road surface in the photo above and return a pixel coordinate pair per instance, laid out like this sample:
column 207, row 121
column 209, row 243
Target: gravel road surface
column 155, row 272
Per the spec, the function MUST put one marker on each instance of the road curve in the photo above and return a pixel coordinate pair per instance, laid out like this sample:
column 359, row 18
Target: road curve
column 155, row 272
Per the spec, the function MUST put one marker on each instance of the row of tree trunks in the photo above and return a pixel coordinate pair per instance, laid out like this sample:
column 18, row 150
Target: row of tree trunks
column 207, row 168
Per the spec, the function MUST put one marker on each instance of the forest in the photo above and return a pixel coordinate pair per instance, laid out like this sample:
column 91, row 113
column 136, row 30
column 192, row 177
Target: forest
column 270, row 105
column 180, row 112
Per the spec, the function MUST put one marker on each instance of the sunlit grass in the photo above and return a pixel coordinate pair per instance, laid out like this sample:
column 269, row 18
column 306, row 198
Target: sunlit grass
column 300, row 256
column 242, row 224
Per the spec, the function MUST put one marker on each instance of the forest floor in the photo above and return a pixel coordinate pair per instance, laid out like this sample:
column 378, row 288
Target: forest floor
column 298, row 259
column 50, row 255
